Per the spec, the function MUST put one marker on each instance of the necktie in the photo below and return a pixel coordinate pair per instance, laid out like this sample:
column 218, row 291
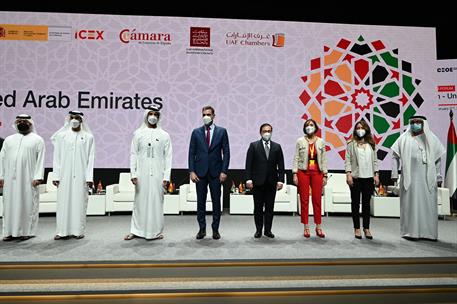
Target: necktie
column 208, row 135
column 267, row 150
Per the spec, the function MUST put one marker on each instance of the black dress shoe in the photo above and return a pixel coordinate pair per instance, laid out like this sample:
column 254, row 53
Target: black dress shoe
column 410, row 238
column 201, row 234
column 8, row 238
column 269, row 234
column 258, row 234
column 216, row 235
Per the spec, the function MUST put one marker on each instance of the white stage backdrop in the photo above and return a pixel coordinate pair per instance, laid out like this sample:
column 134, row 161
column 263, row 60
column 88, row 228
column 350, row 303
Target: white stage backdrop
column 251, row 72
column 446, row 76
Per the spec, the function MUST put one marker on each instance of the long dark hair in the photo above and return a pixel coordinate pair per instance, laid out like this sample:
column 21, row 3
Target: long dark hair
column 368, row 137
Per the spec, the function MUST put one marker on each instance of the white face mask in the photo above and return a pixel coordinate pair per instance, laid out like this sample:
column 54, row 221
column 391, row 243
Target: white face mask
column 207, row 120
column 360, row 133
column 152, row 119
column 310, row 130
column 74, row 123
column 266, row 136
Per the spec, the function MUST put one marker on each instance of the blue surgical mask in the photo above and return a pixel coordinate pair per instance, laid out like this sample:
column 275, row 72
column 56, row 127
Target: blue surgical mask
column 416, row 127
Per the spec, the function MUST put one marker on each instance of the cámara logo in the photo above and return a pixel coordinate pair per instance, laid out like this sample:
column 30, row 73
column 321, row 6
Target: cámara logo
column 131, row 35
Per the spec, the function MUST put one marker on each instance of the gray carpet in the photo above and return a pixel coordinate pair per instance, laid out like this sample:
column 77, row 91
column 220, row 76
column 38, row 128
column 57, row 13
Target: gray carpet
column 104, row 241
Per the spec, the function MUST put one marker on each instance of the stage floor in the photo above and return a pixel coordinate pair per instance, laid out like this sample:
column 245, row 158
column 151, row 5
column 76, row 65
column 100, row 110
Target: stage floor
column 104, row 241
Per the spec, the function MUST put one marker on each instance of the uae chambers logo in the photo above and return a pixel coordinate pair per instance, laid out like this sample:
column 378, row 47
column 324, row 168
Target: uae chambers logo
column 360, row 80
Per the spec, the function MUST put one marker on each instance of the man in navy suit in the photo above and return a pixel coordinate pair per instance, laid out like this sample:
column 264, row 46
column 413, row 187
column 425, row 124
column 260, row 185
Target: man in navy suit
column 265, row 175
column 209, row 156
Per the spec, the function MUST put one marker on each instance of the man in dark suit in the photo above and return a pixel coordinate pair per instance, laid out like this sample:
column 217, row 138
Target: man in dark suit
column 265, row 175
column 209, row 156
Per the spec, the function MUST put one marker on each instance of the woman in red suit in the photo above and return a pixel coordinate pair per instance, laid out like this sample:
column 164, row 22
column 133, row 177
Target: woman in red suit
column 310, row 169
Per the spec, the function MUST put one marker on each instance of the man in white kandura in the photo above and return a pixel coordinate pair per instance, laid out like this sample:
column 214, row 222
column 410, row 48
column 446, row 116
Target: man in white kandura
column 150, row 168
column 73, row 167
column 21, row 171
column 420, row 153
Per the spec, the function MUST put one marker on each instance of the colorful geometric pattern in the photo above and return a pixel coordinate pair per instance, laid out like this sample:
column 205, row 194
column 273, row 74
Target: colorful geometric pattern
column 360, row 80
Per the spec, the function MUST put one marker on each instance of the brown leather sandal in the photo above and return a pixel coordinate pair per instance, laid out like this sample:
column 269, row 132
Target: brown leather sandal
column 159, row 237
column 129, row 237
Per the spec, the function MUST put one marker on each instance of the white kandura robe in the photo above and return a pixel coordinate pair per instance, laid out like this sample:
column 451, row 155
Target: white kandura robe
column 418, row 203
column 21, row 162
column 73, row 167
column 150, row 163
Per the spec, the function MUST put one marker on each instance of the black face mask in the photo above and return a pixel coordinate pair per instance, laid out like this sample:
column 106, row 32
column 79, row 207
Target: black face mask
column 23, row 127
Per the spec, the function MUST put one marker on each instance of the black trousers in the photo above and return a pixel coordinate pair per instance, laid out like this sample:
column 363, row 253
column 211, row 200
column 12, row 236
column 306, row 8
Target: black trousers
column 264, row 198
column 364, row 187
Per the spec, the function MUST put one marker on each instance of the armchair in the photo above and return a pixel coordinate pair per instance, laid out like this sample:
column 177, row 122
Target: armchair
column 48, row 199
column 120, row 197
column 188, row 198
column 48, row 195
column 337, row 196
column 285, row 201
column 286, row 198
column 443, row 199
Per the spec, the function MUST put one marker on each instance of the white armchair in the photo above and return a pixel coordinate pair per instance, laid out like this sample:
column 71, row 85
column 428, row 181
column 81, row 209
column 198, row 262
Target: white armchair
column 48, row 195
column 188, row 198
column 285, row 201
column 443, row 199
column 286, row 198
column 120, row 197
column 337, row 195
column 444, row 202
column 48, row 199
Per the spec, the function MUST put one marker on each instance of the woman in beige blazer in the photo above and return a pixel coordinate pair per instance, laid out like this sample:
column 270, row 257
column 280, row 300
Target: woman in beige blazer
column 310, row 169
column 361, row 166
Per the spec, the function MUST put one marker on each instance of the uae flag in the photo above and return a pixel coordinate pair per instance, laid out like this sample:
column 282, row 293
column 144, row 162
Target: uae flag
column 451, row 160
